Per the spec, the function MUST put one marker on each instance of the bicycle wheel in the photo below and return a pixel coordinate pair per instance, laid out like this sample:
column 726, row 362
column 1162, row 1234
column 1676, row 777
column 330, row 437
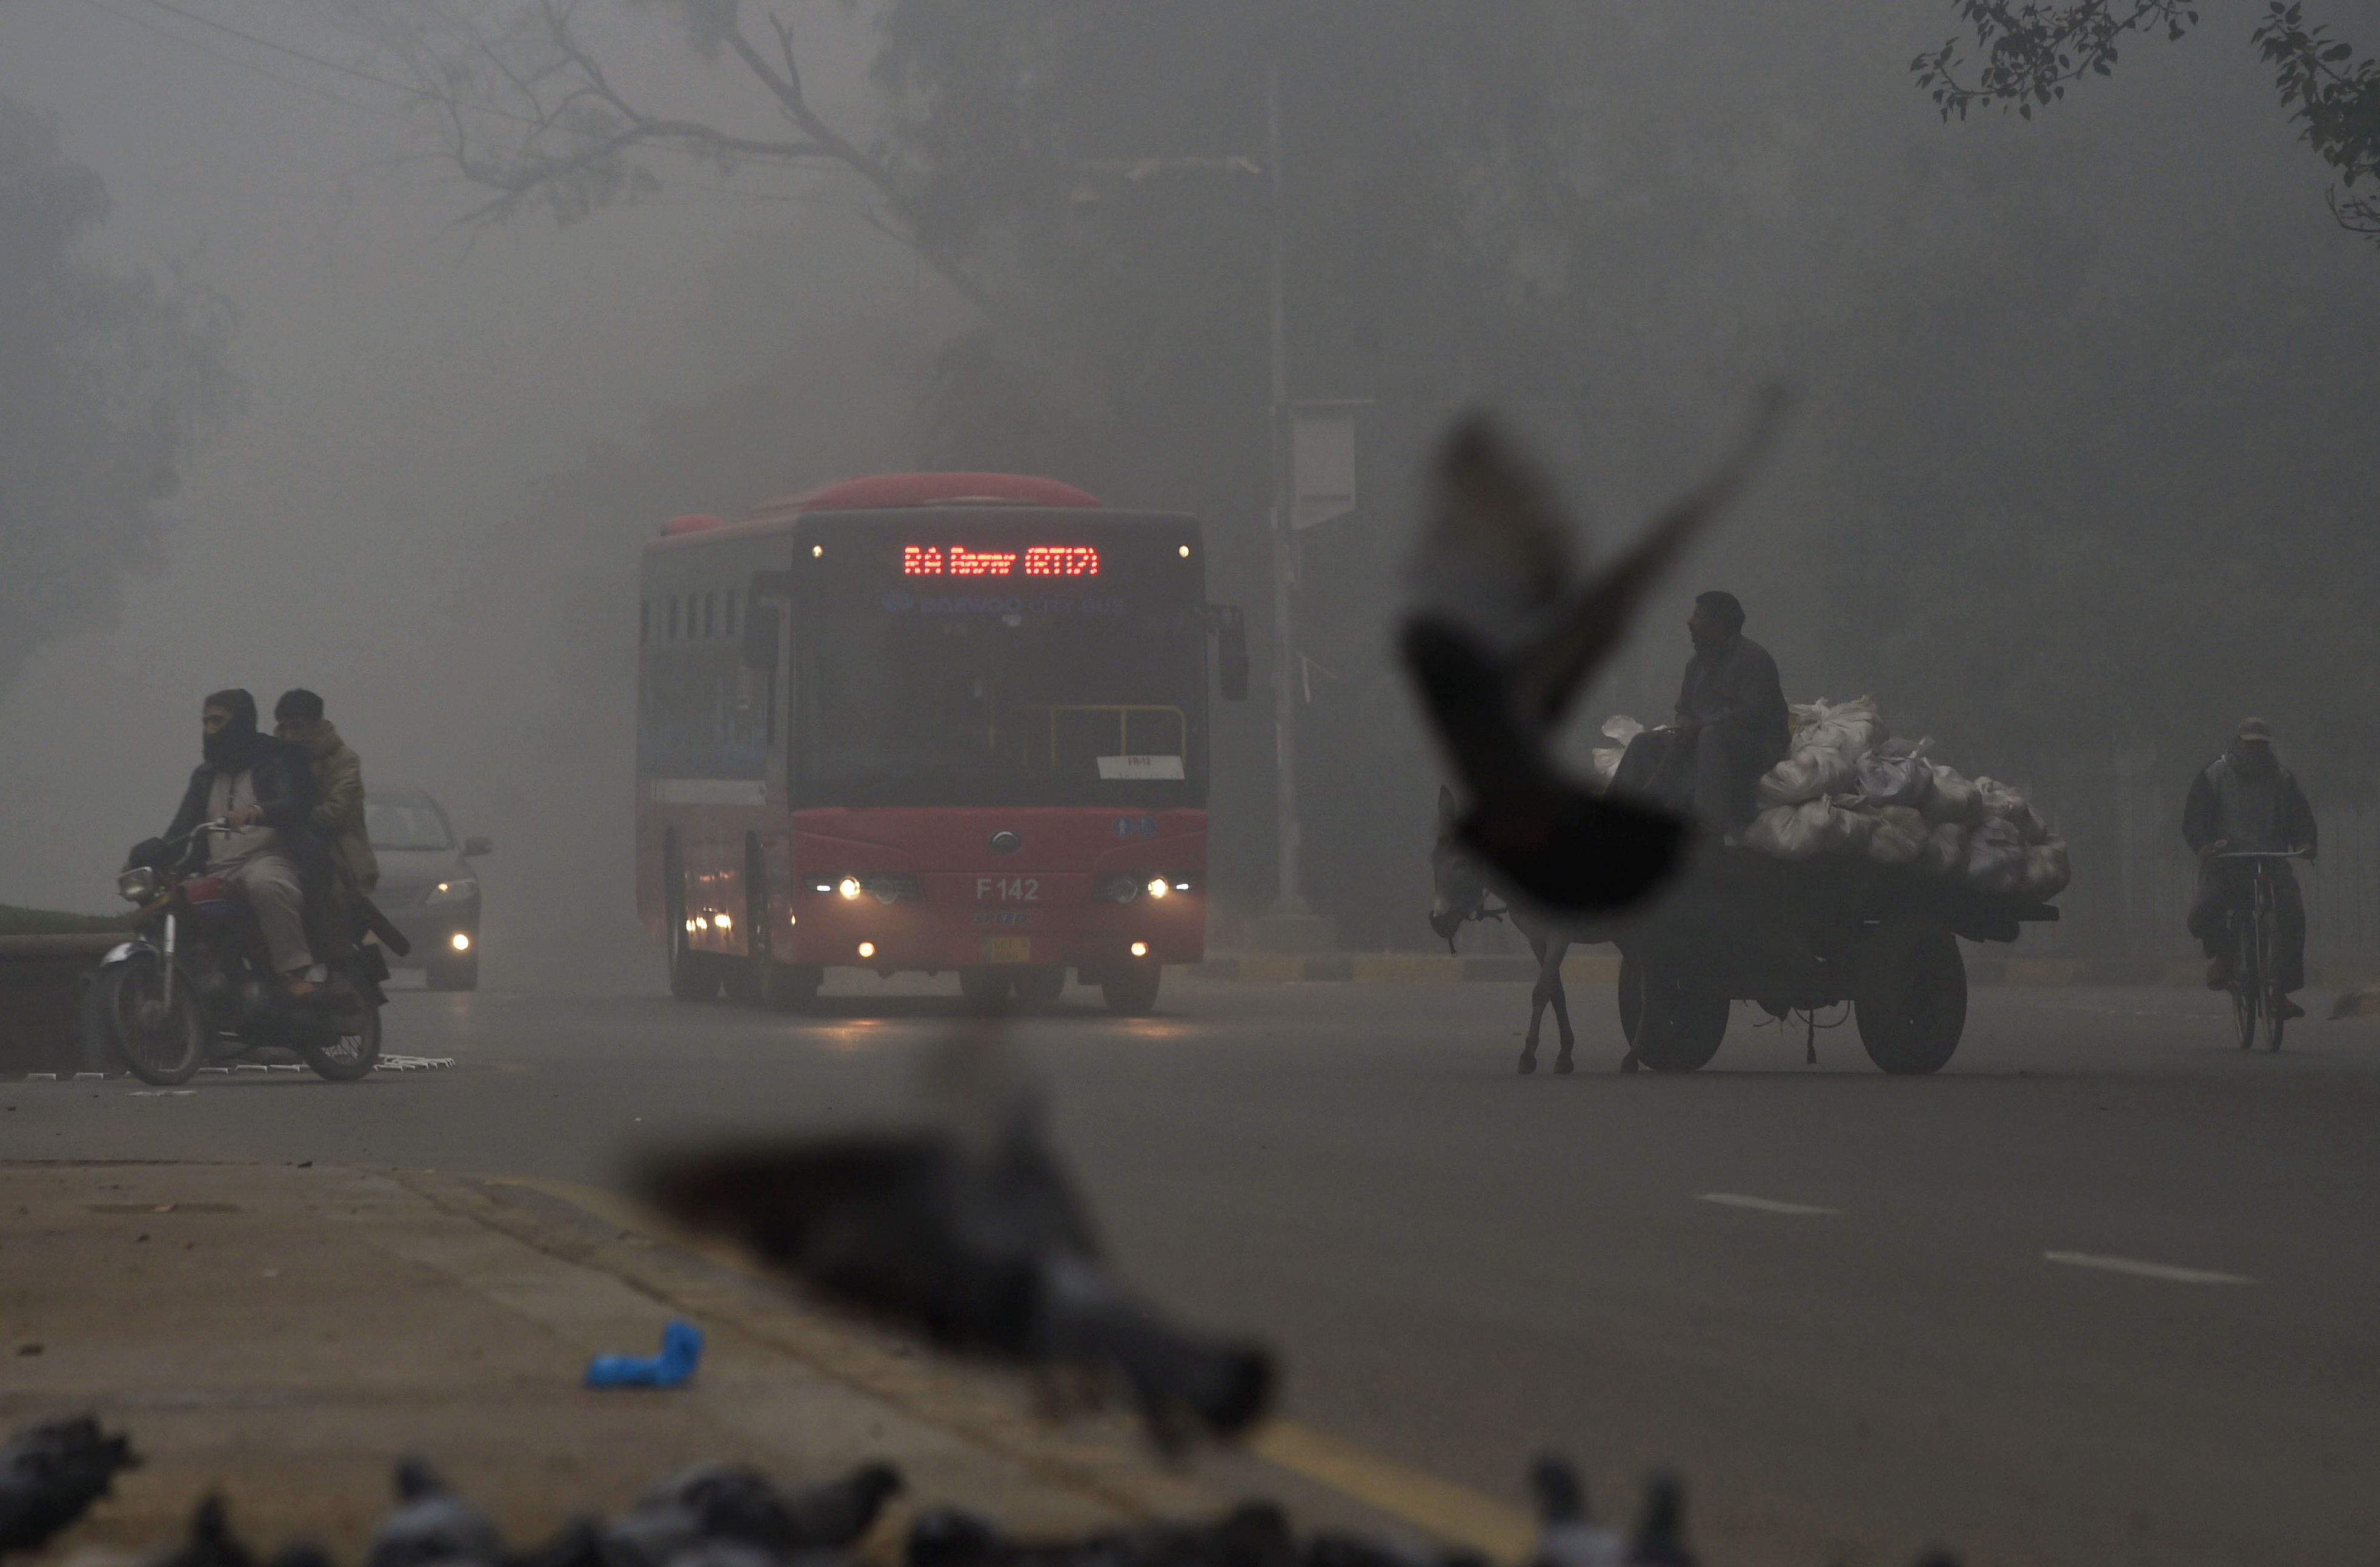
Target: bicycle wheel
column 2247, row 982
column 2268, row 943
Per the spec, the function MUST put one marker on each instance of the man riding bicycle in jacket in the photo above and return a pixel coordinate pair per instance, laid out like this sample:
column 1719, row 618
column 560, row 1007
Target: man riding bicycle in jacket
column 2245, row 801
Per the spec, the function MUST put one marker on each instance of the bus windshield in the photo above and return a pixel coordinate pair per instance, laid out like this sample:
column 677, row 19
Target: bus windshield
column 1050, row 697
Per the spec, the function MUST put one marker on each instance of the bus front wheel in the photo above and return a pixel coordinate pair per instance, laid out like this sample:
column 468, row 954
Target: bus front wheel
column 1131, row 991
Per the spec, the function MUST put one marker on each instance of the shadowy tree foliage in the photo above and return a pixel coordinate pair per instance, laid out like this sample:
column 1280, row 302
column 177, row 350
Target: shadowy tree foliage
column 2028, row 51
column 107, row 384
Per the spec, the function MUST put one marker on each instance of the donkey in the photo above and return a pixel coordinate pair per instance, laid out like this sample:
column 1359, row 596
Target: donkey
column 1459, row 896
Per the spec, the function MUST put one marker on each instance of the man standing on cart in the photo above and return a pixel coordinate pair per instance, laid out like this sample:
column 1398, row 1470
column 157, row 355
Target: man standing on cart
column 2246, row 802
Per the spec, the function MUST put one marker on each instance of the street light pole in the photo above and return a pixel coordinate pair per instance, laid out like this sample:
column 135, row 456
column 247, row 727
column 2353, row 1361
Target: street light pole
column 1289, row 899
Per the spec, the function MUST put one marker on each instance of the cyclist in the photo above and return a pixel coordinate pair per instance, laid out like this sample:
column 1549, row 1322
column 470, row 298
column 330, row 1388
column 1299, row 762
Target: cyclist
column 2245, row 801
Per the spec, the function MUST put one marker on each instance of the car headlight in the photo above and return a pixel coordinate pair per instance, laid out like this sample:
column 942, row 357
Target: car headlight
column 137, row 885
column 453, row 890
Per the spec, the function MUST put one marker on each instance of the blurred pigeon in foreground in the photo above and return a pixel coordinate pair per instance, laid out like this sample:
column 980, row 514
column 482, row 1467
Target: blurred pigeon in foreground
column 1567, row 1536
column 1256, row 1533
column 1499, row 642
column 984, row 1251
column 432, row 1526
column 725, row 1505
column 209, row 1542
column 50, row 1474
column 1660, row 1538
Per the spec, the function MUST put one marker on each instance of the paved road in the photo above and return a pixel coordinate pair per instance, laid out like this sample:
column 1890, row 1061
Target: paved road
column 2103, row 1292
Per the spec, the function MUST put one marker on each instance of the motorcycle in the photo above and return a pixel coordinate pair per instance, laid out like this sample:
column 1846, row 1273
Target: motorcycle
column 195, row 987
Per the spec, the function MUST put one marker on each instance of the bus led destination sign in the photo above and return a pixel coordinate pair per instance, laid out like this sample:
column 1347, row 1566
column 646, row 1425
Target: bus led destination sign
column 1039, row 560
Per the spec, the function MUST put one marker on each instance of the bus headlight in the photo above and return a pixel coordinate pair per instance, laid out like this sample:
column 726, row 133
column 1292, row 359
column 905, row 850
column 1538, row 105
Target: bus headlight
column 1140, row 949
column 1156, row 887
column 848, row 886
column 867, row 949
column 461, row 941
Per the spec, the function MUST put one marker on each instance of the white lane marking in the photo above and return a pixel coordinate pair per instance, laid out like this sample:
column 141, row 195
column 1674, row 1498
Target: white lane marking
column 2164, row 1270
column 1762, row 1205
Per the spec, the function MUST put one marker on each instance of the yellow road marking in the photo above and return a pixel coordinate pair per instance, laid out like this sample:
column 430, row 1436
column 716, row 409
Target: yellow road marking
column 1452, row 1512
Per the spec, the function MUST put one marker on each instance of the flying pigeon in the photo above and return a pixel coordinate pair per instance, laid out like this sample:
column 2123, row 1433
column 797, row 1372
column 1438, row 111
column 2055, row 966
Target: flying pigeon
column 1500, row 639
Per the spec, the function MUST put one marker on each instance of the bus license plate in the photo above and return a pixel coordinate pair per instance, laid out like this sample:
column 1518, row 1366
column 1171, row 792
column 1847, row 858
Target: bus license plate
column 1008, row 949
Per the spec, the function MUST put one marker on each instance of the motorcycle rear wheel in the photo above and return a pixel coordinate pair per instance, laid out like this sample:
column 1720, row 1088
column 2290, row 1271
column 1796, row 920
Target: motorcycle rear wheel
column 163, row 1039
column 343, row 1046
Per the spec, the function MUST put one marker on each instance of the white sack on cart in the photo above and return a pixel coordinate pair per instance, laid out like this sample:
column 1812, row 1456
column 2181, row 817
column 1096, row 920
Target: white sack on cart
column 2004, row 804
column 1945, row 849
column 1849, row 729
column 1777, row 831
column 1619, row 729
column 2046, row 871
column 1807, row 774
column 1896, row 774
column 1899, row 836
column 1996, row 858
column 1952, row 799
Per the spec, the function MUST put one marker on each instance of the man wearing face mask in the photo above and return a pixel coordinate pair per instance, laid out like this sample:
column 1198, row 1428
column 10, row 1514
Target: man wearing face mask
column 264, row 788
column 1731, row 723
column 2246, row 801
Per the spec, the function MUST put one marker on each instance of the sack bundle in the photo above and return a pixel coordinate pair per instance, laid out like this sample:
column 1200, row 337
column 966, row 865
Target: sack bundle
column 1847, row 788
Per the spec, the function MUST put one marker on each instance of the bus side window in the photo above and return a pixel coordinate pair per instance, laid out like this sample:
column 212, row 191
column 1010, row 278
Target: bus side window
column 644, row 621
column 673, row 631
column 727, row 613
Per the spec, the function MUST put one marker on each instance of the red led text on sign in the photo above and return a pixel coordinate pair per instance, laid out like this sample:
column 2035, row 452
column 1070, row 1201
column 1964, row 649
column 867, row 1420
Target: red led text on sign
column 1040, row 560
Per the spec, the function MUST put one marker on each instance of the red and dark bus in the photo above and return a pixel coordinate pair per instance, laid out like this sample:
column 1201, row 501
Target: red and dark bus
column 927, row 722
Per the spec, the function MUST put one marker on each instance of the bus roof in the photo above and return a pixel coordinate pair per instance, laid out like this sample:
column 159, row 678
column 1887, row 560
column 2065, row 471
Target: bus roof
column 893, row 491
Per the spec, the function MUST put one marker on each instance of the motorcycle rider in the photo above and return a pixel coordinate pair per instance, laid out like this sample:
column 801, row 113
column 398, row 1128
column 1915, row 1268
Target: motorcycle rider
column 2245, row 801
column 264, row 787
column 337, row 818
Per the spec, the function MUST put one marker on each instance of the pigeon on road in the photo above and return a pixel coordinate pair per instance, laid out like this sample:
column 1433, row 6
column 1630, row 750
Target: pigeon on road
column 1500, row 639
column 985, row 1251
column 729, row 1504
column 1661, row 1536
column 433, row 1527
column 50, row 1474
column 1567, row 1535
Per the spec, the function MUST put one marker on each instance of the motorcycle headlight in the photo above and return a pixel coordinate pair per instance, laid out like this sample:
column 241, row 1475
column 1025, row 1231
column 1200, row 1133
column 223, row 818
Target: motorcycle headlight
column 137, row 885
column 455, row 889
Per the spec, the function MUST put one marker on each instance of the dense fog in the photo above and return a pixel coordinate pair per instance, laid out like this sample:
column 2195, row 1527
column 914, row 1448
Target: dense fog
column 2082, row 469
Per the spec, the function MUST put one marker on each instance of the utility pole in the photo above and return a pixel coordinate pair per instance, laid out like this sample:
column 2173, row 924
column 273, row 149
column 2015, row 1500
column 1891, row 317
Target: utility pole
column 1289, row 925
column 1289, row 899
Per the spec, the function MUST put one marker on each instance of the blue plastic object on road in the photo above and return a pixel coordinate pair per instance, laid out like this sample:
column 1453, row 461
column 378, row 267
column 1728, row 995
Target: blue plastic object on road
column 681, row 1348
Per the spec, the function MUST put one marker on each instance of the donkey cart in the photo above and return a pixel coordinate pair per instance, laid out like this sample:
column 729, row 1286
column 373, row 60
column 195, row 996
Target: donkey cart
column 1803, row 936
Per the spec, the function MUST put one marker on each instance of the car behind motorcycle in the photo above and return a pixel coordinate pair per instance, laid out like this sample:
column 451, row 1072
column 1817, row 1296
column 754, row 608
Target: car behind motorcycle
column 195, row 987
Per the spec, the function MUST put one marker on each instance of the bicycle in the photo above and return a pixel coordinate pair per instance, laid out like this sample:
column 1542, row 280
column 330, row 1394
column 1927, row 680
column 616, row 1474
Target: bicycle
column 2255, row 934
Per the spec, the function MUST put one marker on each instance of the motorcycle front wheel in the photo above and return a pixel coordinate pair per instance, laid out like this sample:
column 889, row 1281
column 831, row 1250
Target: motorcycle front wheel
column 342, row 1046
column 162, row 1037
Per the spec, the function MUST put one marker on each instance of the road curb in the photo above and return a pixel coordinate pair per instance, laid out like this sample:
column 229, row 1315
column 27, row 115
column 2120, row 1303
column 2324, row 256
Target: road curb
column 1603, row 969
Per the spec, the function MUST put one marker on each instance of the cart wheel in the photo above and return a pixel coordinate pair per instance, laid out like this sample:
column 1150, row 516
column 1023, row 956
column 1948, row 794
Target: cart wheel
column 1910, row 994
column 1680, row 1018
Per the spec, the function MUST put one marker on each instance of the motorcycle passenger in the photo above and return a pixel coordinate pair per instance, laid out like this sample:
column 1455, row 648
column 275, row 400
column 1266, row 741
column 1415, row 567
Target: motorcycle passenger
column 337, row 818
column 2246, row 801
column 263, row 789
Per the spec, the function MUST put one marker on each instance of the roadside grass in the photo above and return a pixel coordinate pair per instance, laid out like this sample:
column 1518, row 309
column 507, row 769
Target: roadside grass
column 15, row 921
